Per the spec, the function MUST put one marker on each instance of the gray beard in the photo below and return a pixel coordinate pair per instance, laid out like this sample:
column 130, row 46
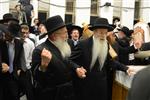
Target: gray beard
column 63, row 47
column 99, row 50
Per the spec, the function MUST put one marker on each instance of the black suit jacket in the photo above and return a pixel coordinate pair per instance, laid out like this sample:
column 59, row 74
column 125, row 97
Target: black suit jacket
column 71, row 43
column 17, row 57
column 123, row 53
column 94, row 86
column 83, row 56
column 59, row 69
column 140, row 88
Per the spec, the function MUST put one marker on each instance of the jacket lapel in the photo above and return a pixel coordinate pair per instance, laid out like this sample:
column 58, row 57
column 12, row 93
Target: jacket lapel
column 89, row 50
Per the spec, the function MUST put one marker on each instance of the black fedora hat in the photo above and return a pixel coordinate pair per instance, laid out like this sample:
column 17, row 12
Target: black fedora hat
column 126, row 31
column 71, row 27
column 101, row 23
column 54, row 23
column 7, row 17
column 14, row 29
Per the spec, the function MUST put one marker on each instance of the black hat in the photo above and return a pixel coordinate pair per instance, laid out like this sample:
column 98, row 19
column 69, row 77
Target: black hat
column 3, row 28
column 116, row 18
column 71, row 27
column 126, row 31
column 14, row 29
column 148, row 24
column 101, row 23
column 7, row 17
column 54, row 23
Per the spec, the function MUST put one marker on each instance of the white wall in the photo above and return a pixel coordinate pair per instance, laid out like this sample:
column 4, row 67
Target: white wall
column 82, row 15
column 4, row 8
column 54, row 10
column 127, row 15
column 145, row 12
column 106, row 12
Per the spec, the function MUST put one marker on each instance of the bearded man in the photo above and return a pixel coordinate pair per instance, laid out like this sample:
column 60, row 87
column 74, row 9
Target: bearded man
column 93, row 55
column 53, row 69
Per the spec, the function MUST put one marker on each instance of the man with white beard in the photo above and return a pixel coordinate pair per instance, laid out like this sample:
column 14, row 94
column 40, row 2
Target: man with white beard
column 93, row 55
column 52, row 69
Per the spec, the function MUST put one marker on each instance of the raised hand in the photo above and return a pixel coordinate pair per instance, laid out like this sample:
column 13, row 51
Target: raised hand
column 46, row 57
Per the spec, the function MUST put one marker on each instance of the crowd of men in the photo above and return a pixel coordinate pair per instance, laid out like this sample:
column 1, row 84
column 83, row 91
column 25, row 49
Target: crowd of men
column 53, row 61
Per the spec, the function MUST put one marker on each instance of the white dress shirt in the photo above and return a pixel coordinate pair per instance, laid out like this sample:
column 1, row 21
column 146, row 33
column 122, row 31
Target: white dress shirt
column 28, row 50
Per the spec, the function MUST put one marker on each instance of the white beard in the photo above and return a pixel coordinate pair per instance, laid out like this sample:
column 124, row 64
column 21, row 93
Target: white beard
column 99, row 50
column 63, row 47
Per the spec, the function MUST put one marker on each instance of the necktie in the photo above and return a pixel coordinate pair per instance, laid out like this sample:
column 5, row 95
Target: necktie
column 11, row 53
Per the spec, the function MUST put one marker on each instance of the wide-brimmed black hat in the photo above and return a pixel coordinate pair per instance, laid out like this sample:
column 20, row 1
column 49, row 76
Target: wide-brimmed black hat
column 54, row 23
column 71, row 27
column 3, row 28
column 7, row 17
column 126, row 31
column 101, row 23
column 14, row 29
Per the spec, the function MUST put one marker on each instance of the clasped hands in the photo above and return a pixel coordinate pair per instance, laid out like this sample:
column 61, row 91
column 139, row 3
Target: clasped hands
column 130, row 71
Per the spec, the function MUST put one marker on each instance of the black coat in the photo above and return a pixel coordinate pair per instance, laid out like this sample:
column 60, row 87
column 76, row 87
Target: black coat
column 9, row 82
column 71, row 43
column 123, row 53
column 140, row 88
column 17, row 57
column 58, row 73
column 94, row 86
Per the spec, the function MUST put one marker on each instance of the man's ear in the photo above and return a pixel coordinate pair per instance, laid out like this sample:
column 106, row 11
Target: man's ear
column 52, row 37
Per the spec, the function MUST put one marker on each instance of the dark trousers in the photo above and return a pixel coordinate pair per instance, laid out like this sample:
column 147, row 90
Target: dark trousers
column 1, row 89
column 26, row 84
column 10, row 88
column 61, row 92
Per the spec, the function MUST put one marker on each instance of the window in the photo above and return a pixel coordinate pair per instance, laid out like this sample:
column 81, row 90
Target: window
column 70, row 11
column 68, row 18
column 92, row 19
column 94, row 10
column 94, row 7
column 137, row 9
column 69, row 6
column 42, row 15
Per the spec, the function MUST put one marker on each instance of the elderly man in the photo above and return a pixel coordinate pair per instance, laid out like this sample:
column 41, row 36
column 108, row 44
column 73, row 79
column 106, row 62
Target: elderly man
column 53, row 70
column 93, row 55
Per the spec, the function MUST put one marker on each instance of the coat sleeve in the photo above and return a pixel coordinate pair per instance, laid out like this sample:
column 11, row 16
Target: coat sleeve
column 140, row 88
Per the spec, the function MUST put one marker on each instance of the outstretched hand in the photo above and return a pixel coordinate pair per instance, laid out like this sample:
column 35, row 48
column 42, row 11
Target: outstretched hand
column 131, row 71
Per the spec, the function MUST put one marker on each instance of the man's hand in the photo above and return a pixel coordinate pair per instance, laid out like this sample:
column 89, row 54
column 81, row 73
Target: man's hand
column 131, row 71
column 18, row 72
column 5, row 67
column 138, row 44
column 81, row 72
column 46, row 57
